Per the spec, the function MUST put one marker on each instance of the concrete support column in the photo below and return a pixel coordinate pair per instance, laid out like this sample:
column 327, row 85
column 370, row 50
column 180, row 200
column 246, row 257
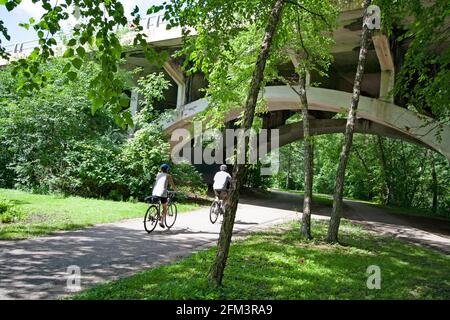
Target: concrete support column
column 134, row 100
column 387, row 67
column 177, row 75
column 387, row 82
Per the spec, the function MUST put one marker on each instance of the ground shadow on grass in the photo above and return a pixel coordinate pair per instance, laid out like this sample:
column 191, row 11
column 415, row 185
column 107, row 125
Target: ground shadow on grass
column 425, row 231
column 20, row 231
column 277, row 265
column 18, row 202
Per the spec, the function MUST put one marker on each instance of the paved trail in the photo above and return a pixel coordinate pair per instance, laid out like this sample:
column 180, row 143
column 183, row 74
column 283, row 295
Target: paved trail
column 36, row 268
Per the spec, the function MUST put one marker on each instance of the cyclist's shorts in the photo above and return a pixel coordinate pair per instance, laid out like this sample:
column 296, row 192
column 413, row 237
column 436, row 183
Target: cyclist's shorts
column 163, row 200
column 221, row 193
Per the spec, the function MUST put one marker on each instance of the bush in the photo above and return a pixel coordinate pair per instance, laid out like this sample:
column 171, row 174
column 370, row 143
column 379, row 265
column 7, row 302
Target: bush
column 141, row 158
column 9, row 213
column 92, row 169
column 188, row 179
column 51, row 143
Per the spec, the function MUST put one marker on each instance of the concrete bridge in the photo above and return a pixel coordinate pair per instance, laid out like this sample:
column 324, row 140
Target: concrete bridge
column 375, row 116
column 378, row 112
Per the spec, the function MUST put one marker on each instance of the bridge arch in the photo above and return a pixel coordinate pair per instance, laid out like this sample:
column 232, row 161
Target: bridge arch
column 381, row 117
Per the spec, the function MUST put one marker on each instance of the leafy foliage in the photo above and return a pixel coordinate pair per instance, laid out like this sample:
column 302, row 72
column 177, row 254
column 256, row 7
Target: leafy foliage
column 51, row 142
column 425, row 74
column 9, row 213
column 408, row 172
column 94, row 37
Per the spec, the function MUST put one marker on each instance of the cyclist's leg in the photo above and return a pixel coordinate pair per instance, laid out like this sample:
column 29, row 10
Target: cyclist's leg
column 222, row 200
column 164, row 204
column 217, row 194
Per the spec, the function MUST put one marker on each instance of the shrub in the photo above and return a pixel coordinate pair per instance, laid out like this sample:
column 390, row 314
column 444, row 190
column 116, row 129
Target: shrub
column 9, row 213
column 92, row 169
column 188, row 179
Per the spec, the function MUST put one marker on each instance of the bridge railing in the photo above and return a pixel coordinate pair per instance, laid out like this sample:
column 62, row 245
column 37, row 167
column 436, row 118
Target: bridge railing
column 150, row 23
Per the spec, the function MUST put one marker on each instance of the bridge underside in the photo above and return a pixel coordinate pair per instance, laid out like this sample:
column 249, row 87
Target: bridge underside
column 375, row 117
column 294, row 131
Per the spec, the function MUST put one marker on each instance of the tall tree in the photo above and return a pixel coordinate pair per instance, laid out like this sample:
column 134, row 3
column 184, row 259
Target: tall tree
column 216, row 272
column 434, row 184
column 386, row 188
column 308, row 156
column 309, row 51
column 336, row 213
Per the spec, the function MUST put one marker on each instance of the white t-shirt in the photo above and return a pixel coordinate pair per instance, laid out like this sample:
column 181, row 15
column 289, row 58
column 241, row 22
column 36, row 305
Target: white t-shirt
column 221, row 180
column 160, row 187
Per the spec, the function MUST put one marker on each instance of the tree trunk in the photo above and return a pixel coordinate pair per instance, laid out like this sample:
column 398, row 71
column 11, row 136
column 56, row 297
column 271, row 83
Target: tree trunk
column 216, row 272
column 305, row 229
column 336, row 213
column 434, row 185
column 386, row 189
column 288, row 174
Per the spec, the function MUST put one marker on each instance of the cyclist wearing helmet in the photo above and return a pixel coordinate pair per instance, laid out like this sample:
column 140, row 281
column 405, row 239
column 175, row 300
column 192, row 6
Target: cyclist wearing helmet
column 222, row 183
column 160, row 189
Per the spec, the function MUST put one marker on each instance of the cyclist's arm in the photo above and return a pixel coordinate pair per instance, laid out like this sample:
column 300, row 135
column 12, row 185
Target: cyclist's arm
column 229, row 183
column 172, row 183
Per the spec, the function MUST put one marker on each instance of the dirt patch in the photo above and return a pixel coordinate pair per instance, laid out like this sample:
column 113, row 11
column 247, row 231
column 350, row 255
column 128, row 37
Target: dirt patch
column 35, row 218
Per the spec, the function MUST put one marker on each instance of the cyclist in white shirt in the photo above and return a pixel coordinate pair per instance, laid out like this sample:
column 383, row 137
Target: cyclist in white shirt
column 222, row 184
column 160, row 189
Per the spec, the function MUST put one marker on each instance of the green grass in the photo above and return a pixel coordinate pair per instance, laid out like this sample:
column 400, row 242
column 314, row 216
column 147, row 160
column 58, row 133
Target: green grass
column 328, row 200
column 48, row 213
column 275, row 264
column 412, row 212
column 325, row 199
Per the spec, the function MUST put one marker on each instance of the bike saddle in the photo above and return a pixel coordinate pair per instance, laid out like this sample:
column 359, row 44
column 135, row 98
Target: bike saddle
column 151, row 199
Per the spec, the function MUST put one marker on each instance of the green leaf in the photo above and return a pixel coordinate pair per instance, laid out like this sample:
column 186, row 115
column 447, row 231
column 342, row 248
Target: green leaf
column 33, row 54
column 66, row 67
column 81, row 52
column 72, row 42
column 77, row 63
column 96, row 103
column 68, row 53
column 72, row 75
column 10, row 5
column 25, row 26
column 124, row 101
column 128, row 119
column 51, row 41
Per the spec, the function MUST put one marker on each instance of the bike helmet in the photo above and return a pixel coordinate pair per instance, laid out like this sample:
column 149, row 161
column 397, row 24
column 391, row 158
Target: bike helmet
column 223, row 167
column 164, row 167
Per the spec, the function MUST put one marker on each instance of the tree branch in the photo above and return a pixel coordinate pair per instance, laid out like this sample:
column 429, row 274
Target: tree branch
column 309, row 11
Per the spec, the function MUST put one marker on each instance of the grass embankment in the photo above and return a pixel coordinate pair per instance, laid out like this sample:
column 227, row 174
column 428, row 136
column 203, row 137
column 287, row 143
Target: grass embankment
column 49, row 213
column 276, row 264
column 328, row 200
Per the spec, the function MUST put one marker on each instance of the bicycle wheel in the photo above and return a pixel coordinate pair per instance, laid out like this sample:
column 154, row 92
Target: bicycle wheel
column 151, row 218
column 214, row 212
column 171, row 215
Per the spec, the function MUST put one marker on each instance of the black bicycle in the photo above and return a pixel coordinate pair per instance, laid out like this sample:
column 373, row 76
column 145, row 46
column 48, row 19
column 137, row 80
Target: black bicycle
column 153, row 214
column 215, row 210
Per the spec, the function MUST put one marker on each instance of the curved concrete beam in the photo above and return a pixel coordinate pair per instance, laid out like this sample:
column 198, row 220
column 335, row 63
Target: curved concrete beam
column 294, row 131
column 387, row 114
